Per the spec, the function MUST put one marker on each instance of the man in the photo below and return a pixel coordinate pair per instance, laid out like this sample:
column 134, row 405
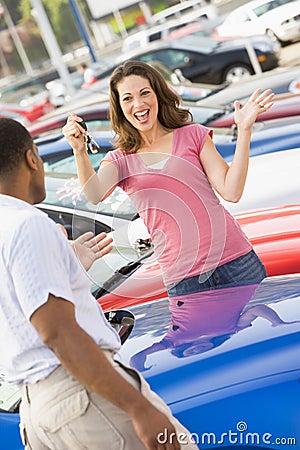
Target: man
column 54, row 340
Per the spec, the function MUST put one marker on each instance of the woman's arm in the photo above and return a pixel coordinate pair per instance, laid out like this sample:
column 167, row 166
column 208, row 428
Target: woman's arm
column 95, row 186
column 229, row 180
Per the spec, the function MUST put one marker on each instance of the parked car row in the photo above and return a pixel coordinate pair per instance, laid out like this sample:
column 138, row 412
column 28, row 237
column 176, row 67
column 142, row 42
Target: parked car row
column 276, row 18
column 204, row 59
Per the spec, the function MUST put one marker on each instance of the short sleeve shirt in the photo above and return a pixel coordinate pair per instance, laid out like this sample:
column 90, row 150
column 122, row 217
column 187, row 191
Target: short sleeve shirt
column 191, row 231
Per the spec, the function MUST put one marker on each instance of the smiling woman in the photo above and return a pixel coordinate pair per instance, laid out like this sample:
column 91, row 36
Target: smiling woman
column 168, row 166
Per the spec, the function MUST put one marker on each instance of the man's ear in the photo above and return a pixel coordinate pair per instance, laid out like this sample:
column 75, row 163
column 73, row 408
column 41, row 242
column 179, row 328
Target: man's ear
column 31, row 159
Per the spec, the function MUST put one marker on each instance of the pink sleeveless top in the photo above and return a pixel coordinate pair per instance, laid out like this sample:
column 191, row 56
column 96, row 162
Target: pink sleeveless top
column 191, row 231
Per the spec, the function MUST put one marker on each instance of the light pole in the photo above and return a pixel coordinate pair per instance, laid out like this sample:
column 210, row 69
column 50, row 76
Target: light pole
column 82, row 27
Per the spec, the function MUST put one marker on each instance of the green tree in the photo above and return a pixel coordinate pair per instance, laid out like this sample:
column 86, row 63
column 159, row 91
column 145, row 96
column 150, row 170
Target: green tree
column 60, row 17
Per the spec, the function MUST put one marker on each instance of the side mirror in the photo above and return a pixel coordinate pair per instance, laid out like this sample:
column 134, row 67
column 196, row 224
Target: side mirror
column 122, row 321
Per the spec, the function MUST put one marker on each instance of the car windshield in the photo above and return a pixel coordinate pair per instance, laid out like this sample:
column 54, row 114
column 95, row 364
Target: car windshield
column 65, row 190
column 269, row 6
column 67, row 165
column 205, row 114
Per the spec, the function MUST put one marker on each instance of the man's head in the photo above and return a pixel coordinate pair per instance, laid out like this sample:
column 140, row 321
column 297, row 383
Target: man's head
column 21, row 167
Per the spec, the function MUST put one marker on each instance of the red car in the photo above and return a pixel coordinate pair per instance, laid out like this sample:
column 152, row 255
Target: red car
column 97, row 113
column 285, row 105
column 274, row 233
column 31, row 113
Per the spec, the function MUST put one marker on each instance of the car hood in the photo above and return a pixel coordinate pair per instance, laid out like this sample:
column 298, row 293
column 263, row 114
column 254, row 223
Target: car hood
column 211, row 342
column 267, row 225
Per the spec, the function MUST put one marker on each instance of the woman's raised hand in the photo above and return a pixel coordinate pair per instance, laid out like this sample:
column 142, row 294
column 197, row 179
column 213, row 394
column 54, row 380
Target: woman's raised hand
column 75, row 134
column 258, row 103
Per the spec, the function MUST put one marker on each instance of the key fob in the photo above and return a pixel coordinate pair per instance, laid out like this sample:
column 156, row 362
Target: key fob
column 91, row 143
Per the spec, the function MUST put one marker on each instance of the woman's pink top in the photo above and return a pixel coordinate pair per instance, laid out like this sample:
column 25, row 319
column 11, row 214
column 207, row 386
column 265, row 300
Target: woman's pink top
column 191, row 231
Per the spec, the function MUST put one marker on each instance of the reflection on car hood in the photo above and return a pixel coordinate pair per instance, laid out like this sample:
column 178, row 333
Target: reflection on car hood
column 204, row 343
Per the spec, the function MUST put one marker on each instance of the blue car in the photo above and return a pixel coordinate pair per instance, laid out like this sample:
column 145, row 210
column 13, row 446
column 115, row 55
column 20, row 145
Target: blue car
column 226, row 362
column 53, row 148
column 268, row 137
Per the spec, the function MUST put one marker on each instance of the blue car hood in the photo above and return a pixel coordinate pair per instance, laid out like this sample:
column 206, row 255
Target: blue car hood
column 203, row 345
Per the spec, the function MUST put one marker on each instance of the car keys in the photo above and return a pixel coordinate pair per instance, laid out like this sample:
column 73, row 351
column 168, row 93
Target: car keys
column 91, row 143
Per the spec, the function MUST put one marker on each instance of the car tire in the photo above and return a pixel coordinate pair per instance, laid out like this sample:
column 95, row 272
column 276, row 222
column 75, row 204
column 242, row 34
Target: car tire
column 236, row 72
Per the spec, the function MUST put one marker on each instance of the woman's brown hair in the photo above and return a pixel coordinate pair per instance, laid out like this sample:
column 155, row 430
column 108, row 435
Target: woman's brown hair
column 170, row 114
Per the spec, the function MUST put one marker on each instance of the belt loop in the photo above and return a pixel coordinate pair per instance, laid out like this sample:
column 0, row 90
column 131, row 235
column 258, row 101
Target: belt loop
column 27, row 393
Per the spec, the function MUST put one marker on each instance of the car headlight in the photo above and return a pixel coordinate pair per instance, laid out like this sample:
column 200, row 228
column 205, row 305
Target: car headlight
column 266, row 47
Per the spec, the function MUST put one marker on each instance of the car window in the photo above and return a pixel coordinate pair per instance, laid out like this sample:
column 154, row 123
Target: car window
column 170, row 57
column 155, row 36
column 65, row 190
column 269, row 6
column 205, row 115
column 68, row 165
column 9, row 394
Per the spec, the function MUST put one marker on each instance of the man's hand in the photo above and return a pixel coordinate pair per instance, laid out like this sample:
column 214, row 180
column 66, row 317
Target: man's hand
column 89, row 248
column 155, row 430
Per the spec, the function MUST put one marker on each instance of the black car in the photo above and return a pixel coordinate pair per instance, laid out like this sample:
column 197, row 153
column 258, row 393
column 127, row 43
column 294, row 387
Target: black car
column 205, row 59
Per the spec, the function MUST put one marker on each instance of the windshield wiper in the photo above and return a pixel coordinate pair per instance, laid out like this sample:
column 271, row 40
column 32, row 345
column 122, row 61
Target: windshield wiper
column 121, row 275
column 213, row 117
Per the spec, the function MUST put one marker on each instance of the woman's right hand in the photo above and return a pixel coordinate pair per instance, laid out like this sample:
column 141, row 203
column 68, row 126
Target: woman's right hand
column 75, row 134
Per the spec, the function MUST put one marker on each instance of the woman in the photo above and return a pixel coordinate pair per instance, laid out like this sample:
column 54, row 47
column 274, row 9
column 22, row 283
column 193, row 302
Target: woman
column 170, row 168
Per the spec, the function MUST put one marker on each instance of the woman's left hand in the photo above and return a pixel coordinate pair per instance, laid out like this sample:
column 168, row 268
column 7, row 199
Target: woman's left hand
column 89, row 248
column 259, row 102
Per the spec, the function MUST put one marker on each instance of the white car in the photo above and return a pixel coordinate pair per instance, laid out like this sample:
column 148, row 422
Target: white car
column 278, row 18
column 160, row 29
column 272, row 180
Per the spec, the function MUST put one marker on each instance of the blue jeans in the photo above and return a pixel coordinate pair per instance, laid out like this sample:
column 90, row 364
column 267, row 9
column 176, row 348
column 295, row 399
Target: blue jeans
column 246, row 269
